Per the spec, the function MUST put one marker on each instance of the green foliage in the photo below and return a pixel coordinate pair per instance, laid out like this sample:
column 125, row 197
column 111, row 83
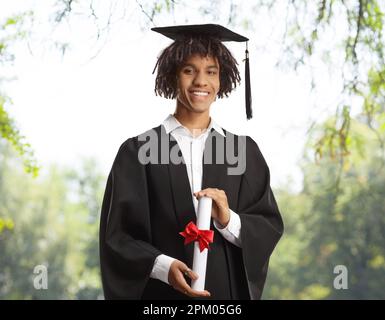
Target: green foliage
column 11, row 133
column 335, row 139
column 6, row 224
column 309, row 25
column 333, row 223
column 13, row 30
column 55, row 223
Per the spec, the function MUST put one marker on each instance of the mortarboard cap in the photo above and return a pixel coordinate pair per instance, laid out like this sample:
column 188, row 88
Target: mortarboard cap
column 213, row 31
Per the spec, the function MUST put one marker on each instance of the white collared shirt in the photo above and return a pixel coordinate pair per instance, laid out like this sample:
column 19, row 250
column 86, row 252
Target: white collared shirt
column 192, row 148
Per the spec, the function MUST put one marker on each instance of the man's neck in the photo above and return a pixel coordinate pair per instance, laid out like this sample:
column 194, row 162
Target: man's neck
column 195, row 122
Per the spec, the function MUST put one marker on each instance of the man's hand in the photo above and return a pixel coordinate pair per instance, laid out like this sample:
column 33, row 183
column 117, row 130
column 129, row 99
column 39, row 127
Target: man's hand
column 178, row 270
column 220, row 210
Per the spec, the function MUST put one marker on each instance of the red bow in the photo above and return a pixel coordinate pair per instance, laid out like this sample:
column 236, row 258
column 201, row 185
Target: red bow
column 192, row 233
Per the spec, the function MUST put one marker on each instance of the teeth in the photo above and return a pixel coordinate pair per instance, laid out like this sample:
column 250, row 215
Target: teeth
column 200, row 93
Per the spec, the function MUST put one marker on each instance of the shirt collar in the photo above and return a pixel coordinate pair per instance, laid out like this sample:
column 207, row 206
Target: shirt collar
column 171, row 123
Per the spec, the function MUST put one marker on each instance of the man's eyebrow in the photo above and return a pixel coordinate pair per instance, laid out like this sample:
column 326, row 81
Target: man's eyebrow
column 192, row 65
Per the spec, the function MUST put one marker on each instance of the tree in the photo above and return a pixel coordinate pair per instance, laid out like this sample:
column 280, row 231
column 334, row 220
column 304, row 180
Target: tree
column 13, row 30
column 55, row 225
column 330, row 224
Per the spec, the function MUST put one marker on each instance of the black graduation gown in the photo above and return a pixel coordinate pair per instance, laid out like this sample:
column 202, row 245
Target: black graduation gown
column 146, row 206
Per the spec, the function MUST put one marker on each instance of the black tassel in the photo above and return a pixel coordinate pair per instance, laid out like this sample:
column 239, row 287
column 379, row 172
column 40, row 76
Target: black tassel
column 157, row 62
column 249, row 111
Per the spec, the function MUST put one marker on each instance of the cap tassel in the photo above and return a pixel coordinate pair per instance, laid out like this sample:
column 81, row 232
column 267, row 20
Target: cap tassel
column 249, row 111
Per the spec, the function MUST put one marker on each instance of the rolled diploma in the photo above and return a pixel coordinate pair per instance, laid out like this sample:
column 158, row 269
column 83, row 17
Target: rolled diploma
column 200, row 258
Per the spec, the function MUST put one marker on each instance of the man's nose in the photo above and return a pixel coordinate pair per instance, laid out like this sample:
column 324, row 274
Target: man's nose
column 200, row 79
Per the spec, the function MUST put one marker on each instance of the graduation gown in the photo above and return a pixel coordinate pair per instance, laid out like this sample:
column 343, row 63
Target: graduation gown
column 145, row 206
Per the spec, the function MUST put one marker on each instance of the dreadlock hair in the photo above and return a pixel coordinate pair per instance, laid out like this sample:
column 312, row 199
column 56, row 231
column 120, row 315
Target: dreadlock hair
column 173, row 57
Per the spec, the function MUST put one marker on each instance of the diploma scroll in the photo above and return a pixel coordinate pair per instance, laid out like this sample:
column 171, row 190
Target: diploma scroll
column 200, row 257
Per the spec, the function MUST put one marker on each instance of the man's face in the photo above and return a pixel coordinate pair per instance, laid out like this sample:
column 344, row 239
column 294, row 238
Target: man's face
column 198, row 83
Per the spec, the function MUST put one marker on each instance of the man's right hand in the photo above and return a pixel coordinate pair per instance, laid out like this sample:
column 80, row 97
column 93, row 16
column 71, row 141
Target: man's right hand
column 178, row 270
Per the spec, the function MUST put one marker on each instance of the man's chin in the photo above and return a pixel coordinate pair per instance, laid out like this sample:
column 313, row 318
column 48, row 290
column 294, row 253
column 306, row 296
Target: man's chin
column 195, row 108
column 200, row 108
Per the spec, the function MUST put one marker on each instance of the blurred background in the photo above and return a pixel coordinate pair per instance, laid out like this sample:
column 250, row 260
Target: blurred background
column 76, row 81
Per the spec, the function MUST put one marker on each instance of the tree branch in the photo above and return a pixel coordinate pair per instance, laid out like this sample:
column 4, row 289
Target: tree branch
column 358, row 29
column 151, row 18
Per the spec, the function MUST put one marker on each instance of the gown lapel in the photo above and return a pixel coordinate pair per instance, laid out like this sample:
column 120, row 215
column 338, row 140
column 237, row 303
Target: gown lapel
column 182, row 197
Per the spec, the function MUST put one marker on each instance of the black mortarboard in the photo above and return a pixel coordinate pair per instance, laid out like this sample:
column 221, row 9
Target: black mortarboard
column 214, row 31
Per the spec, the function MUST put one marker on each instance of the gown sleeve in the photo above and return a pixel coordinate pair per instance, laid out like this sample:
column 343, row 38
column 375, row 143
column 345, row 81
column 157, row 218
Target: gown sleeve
column 126, row 254
column 262, row 225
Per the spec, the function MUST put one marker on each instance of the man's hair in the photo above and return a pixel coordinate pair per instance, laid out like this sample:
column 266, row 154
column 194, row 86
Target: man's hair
column 172, row 58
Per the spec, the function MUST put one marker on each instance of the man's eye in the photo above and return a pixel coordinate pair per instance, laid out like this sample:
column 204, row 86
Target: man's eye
column 188, row 71
column 212, row 72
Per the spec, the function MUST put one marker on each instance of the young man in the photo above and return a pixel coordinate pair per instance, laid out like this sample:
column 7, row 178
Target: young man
column 158, row 177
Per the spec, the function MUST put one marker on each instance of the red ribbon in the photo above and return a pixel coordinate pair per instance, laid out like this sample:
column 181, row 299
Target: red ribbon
column 192, row 233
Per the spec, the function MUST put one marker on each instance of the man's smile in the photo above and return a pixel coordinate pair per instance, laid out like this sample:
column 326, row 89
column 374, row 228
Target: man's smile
column 198, row 95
